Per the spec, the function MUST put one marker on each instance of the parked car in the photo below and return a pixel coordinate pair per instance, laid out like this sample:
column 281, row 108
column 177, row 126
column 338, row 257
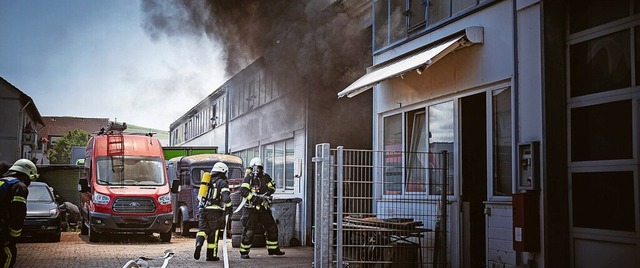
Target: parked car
column 43, row 215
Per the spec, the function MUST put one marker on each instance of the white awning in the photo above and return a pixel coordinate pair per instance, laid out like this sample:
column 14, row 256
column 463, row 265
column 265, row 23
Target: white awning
column 416, row 60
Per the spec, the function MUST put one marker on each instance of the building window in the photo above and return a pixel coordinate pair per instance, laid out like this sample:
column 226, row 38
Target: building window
column 412, row 151
column 417, row 156
column 604, row 200
column 502, row 142
column 438, row 10
column 278, row 162
column 53, row 140
column 398, row 20
column 392, row 146
column 595, row 136
column 601, row 64
column 589, row 13
column 395, row 20
column 259, row 90
column 441, row 138
column 417, row 13
column 603, row 102
column 462, row 5
column 214, row 116
column 381, row 23
column 247, row 155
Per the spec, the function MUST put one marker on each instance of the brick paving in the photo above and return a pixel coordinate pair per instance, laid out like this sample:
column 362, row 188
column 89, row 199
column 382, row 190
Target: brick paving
column 74, row 250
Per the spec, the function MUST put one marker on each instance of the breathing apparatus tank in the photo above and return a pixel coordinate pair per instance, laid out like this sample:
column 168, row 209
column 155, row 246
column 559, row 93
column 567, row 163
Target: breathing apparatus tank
column 204, row 185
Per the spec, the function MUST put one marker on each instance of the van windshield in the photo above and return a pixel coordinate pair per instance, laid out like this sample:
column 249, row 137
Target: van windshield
column 197, row 173
column 136, row 170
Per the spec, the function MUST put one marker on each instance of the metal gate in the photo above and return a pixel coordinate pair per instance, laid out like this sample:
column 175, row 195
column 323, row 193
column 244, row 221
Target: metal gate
column 380, row 208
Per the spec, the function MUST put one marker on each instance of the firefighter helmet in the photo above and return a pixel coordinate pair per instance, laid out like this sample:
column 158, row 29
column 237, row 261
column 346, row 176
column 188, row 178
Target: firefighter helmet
column 256, row 161
column 219, row 167
column 26, row 167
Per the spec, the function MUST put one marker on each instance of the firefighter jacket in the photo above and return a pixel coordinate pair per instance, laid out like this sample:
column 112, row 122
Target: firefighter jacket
column 219, row 196
column 13, row 208
column 257, row 185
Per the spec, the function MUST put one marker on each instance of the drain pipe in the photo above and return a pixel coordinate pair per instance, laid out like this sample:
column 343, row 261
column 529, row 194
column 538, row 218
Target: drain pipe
column 227, row 120
column 20, row 131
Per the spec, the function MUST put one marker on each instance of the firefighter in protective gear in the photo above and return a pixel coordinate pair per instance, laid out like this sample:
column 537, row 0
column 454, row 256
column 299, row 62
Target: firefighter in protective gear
column 214, row 206
column 257, row 188
column 13, row 207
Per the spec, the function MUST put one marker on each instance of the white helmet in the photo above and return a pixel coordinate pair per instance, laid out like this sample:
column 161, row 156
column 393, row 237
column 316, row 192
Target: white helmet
column 219, row 167
column 26, row 167
column 256, row 161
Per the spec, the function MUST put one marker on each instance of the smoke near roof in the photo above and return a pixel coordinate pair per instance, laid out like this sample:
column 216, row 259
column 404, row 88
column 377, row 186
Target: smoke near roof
column 312, row 42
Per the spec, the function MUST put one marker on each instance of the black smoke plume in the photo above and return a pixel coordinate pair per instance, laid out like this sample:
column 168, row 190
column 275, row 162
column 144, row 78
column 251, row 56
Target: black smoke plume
column 321, row 43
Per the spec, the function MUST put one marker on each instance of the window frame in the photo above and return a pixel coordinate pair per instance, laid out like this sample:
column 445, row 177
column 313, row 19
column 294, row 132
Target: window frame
column 630, row 23
column 491, row 144
column 413, row 31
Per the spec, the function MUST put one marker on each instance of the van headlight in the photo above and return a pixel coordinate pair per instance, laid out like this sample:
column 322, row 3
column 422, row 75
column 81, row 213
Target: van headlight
column 101, row 199
column 53, row 213
column 164, row 199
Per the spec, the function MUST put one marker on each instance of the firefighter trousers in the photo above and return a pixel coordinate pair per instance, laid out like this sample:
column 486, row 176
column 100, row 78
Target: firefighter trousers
column 210, row 223
column 8, row 255
column 253, row 217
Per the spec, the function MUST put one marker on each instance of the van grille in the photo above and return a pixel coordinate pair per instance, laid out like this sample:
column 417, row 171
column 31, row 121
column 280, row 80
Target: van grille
column 134, row 205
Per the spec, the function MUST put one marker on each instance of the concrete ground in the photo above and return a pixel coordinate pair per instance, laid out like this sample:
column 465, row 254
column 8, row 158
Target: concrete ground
column 74, row 250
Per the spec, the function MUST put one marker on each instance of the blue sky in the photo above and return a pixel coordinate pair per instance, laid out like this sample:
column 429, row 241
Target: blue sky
column 93, row 59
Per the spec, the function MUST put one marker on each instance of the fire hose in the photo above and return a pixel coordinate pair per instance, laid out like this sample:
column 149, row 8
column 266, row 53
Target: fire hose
column 225, row 254
column 142, row 262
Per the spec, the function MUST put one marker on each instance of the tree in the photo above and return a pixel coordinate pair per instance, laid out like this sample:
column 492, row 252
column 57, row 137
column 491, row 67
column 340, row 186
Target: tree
column 60, row 152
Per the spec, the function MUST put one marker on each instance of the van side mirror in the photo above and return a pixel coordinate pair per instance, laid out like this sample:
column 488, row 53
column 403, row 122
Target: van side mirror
column 175, row 186
column 83, row 185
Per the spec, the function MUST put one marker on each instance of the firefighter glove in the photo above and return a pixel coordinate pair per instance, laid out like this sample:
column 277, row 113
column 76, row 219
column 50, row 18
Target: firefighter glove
column 256, row 200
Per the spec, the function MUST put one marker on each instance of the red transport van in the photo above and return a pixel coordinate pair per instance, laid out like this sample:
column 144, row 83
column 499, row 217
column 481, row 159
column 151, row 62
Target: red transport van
column 125, row 187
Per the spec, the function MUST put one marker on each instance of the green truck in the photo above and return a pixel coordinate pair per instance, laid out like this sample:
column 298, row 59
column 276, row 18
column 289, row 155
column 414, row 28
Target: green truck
column 175, row 151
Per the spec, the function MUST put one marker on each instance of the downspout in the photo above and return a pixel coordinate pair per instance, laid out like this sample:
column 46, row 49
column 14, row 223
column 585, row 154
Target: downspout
column 226, row 119
column 20, row 131
column 514, row 100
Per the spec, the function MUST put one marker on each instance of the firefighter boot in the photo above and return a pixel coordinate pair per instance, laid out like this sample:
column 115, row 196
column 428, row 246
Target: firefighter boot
column 199, row 243
column 276, row 252
column 210, row 256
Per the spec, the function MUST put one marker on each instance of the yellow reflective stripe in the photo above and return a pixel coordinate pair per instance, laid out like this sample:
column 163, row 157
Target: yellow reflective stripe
column 7, row 252
column 246, row 185
column 14, row 233
column 225, row 190
column 201, row 233
column 213, row 207
column 227, row 205
column 249, row 196
column 270, row 184
column 214, row 245
column 272, row 244
column 245, row 248
column 20, row 199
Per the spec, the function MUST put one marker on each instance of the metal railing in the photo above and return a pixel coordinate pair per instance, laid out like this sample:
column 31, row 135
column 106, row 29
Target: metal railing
column 380, row 208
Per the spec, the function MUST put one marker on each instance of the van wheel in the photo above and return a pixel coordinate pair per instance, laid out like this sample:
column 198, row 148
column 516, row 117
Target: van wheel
column 84, row 230
column 165, row 237
column 181, row 227
column 55, row 237
column 93, row 235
